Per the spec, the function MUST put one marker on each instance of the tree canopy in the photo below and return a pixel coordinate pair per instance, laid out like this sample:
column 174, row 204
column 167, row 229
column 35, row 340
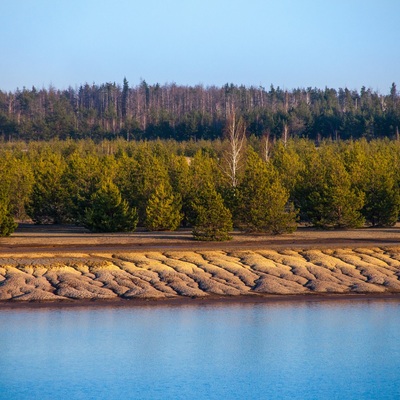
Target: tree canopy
column 111, row 110
column 164, row 185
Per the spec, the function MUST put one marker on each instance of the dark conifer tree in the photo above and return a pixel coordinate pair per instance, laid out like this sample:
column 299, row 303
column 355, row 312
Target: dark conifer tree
column 163, row 211
column 108, row 212
column 211, row 220
column 263, row 204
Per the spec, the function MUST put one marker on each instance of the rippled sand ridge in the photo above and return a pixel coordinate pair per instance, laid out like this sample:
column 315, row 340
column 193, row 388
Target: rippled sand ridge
column 169, row 274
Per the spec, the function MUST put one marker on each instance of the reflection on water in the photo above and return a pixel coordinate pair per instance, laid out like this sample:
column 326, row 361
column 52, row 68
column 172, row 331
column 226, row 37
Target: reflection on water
column 303, row 350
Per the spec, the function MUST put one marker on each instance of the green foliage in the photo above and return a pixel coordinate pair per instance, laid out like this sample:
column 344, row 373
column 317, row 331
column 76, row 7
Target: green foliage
column 21, row 183
column 203, row 170
column 288, row 163
column 263, row 201
column 108, row 212
column 211, row 220
column 139, row 175
column 355, row 157
column 163, row 211
column 326, row 195
column 48, row 199
column 333, row 185
column 7, row 190
column 179, row 175
column 191, row 113
column 382, row 198
column 205, row 210
column 82, row 178
column 178, row 167
column 16, row 180
column 203, row 173
column 7, row 224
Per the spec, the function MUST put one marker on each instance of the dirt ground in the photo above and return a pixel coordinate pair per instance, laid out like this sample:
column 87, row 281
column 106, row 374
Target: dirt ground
column 29, row 238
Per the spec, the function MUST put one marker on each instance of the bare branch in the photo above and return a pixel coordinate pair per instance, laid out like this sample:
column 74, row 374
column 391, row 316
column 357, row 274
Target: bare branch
column 266, row 146
column 235, row 132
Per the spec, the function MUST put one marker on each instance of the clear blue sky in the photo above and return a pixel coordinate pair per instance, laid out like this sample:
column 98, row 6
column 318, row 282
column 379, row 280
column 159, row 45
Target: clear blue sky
column 287, row 43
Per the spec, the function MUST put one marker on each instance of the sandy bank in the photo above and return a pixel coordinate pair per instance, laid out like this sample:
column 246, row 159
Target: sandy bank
column 199, row 274
column 31, row 239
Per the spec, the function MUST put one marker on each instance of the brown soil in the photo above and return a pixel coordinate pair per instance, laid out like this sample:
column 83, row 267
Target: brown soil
column 60, row 238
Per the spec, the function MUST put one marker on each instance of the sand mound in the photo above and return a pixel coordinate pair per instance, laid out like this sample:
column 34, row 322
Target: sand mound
column 199, row 273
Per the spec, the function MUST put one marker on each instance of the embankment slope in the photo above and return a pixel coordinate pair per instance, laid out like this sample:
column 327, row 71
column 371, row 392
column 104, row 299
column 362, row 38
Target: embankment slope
column 164, row 274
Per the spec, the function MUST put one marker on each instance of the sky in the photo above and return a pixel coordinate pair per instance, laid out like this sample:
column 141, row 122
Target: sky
column 286, row 43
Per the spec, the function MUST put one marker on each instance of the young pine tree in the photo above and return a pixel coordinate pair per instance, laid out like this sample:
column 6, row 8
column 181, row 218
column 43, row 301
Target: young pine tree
column 109, row 212
column 7, row 224
column 382, row 197
column 163, row 211
column 203, row 172
column 47, row 202
column 327, row 197
column 138, row 176
column 263, row 201
column 82, row 177
column 14, row 190
column 288, row 163
column 16, row 177
column 210, row 218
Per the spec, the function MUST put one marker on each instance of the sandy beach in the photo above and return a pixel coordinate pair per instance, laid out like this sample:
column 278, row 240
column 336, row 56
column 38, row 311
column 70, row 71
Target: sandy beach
column 69, row 266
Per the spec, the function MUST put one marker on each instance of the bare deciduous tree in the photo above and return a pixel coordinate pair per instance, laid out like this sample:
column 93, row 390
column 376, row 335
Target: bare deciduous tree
column 266, row 146
column 235, row 132
column 285, row 133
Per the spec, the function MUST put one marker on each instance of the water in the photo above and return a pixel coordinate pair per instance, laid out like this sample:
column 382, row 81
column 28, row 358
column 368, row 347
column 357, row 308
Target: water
column 303, row 350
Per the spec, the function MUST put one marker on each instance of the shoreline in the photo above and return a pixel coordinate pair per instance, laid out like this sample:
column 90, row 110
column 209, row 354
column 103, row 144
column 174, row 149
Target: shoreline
column 200, row 301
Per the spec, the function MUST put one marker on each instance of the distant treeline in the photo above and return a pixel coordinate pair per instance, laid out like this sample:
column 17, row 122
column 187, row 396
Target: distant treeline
column 109, row 111
column 211, row 186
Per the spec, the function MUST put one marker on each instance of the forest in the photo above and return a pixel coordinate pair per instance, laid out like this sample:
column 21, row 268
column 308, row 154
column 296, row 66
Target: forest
column 254, row 184
column 147, row 112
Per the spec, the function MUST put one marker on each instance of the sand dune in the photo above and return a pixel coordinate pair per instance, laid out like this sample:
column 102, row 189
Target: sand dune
column 170, row 274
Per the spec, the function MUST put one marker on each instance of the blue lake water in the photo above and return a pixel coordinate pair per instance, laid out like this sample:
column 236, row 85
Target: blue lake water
column 282, row 350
